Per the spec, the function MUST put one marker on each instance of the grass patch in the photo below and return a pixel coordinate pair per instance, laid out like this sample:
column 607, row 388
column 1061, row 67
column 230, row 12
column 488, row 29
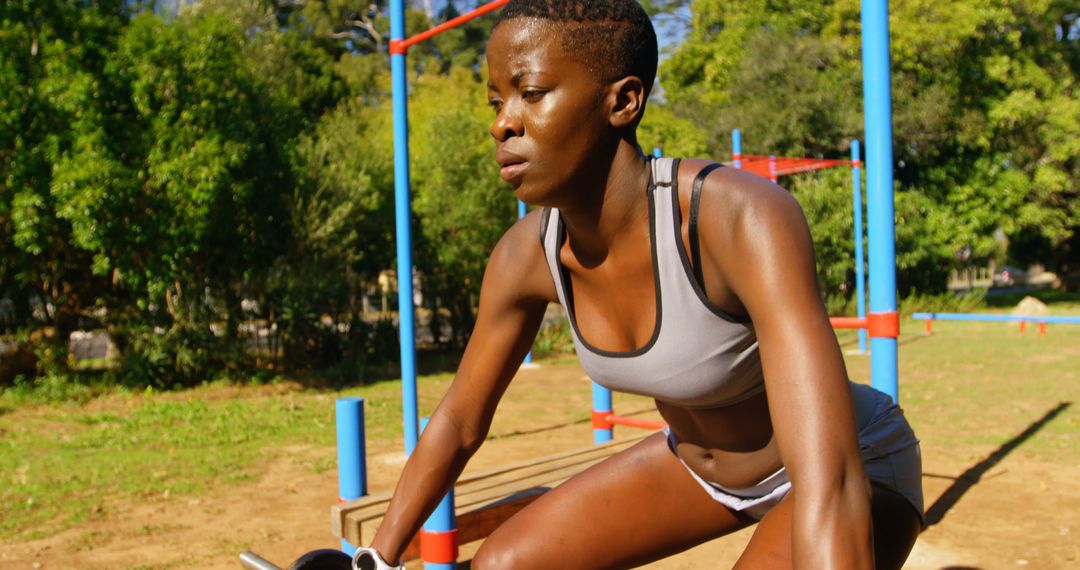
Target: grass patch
column 64, row 463
column 975, row 386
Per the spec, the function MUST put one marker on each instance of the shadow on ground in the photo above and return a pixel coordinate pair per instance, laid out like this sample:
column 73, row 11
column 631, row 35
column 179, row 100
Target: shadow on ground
column 974, row 474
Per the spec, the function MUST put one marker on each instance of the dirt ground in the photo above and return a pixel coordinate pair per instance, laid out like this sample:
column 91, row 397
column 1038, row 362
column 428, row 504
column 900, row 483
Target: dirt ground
column 988, row 510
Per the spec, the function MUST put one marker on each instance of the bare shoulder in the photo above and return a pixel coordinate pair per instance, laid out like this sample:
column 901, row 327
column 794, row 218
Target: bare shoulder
column 736, row 204
column 517, row 266
column 754, row 239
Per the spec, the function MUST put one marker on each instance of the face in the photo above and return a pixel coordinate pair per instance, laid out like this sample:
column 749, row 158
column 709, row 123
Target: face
column 550, row 119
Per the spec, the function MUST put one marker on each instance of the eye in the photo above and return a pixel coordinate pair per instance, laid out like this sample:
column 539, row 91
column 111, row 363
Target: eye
column 496, row 104
column 532, row 95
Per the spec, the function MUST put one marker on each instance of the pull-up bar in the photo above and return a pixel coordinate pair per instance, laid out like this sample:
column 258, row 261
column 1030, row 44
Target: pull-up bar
column 402, row 46
column 773, row 167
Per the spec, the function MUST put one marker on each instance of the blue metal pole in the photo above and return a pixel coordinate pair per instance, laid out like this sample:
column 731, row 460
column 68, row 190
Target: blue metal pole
column 877, row 104
column 860, row 276
column 441, row 522
column 522, row 210
column 736, row 148
column 656, row 152
column 403, row 213
column 995, row 318
column 352, row 462
column 601, row 398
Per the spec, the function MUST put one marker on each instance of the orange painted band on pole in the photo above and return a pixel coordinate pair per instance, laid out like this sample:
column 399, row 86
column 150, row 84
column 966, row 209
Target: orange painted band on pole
column 439, row 547
column 848, row 323
column 602, row 420
column 634, row 422
column 489, row 7
column 883, row 325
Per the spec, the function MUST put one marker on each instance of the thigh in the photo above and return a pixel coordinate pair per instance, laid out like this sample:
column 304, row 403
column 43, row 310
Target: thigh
column 896, row 526
column 637, row 506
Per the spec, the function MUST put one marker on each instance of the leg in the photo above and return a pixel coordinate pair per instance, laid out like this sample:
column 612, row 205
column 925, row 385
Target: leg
column 635, row 507
column 896, row 525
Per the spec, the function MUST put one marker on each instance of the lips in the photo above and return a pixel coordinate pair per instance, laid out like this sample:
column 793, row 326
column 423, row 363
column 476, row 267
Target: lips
column 510, row 165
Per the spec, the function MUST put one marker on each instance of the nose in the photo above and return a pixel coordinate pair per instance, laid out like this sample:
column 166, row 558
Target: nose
column 507, row 124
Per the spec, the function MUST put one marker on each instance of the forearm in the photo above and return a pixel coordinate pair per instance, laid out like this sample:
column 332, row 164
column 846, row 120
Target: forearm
column 439, row 458
column 832, row 528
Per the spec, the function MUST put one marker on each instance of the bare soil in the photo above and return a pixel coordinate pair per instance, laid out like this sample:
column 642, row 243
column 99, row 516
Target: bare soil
column 989, row 507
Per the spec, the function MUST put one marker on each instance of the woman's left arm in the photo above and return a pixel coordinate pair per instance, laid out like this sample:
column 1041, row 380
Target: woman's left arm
column 767, row 259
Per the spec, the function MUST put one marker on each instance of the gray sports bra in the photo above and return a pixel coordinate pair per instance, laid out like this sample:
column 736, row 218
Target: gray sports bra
column 698, row 356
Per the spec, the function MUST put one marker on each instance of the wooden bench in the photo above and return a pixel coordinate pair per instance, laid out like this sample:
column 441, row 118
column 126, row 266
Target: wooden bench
column 482, row 500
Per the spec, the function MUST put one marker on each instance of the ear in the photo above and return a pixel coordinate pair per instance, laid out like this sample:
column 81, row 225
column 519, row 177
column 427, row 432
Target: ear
column 627, row 97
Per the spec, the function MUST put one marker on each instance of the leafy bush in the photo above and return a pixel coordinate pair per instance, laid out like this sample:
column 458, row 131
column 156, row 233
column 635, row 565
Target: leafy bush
column 554, row 338
column 943, row 302
column 50, row 389
column 182, row 356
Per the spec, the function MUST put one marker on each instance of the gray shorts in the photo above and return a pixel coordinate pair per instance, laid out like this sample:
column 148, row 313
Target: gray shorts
column 888, row 447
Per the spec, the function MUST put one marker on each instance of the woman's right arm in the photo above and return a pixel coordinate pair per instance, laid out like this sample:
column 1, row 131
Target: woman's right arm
column 513, row 296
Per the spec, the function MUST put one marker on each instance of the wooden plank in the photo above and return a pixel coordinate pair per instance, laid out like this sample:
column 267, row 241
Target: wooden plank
column 482, row 500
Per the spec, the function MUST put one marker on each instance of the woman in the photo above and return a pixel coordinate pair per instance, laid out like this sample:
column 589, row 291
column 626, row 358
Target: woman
column 721, row 321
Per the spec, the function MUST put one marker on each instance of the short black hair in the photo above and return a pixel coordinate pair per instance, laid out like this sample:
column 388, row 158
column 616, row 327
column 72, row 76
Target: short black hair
column 614, row 38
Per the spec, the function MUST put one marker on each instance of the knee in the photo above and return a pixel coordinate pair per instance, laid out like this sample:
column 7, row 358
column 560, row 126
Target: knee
column 496, row 554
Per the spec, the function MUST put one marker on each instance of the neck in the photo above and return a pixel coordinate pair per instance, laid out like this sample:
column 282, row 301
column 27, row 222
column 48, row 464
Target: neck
column 599, row 222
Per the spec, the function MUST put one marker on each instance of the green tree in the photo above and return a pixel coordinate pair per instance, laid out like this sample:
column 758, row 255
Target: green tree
column 461, row 205
column 985, row 112
column 53, row 75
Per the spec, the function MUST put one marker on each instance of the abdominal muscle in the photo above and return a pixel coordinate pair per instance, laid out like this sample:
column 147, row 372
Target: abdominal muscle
column 732, row 446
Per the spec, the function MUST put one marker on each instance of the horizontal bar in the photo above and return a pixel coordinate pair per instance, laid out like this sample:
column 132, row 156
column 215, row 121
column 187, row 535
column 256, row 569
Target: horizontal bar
column 848, row 323
column 1001, row 318
column 489, row 7
column 633, row 422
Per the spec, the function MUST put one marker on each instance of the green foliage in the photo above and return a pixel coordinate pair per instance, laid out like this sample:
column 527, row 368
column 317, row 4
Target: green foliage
column 460, row 203
column 48, row 389
column 672, row 134
column 985, row 112
column 183, row 355
column 825, row 198
column 967, row 302
column 152, row 172
column 213, row 185
column 554, row 339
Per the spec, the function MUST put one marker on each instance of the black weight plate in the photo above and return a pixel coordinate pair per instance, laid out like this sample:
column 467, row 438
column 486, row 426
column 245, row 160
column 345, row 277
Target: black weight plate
column 325, row 559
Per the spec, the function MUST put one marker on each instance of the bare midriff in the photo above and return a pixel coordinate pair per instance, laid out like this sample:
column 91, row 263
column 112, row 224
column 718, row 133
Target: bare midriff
column 732, row 446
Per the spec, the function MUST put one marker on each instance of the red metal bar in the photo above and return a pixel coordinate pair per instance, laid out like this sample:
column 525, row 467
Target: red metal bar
column 848, row 323
column 883, row 325
column 489, row 7
column 930, row 326
column 1023, row 327
column 1042, row 328
column 765, row 166
column 634, row 422
column 439, row 547
column 601, row 420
